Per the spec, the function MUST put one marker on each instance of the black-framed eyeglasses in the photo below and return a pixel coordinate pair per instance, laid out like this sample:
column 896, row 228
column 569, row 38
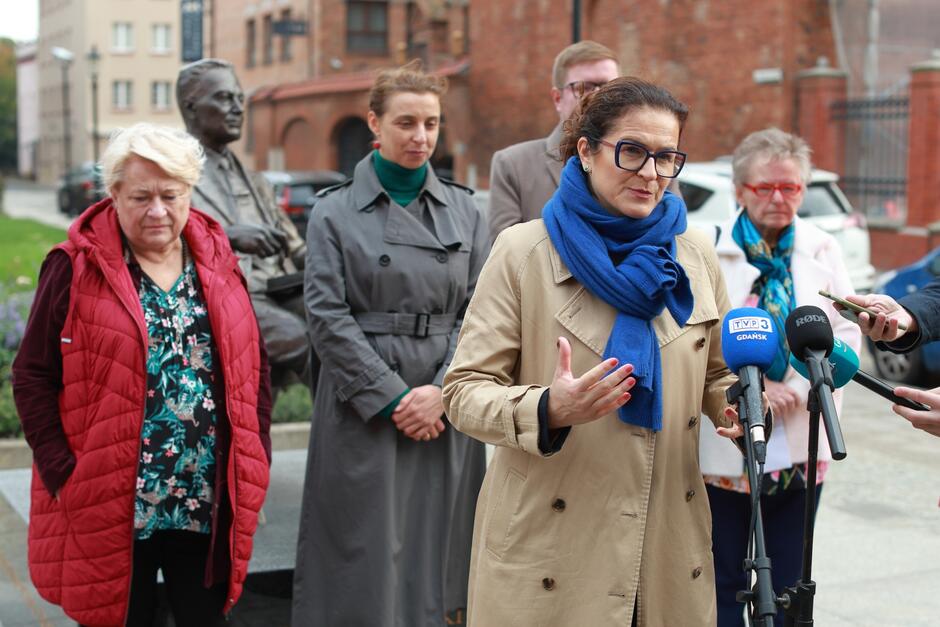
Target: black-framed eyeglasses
column 579, row 88
column 631, row 156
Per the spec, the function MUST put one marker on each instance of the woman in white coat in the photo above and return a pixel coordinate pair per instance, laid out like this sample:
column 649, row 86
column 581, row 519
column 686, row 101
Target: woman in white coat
column 771, row 259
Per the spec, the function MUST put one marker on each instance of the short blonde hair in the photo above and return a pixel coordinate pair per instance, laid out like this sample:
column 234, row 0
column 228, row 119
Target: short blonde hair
column 770, row 144
column 176, row 152
column 586, row 51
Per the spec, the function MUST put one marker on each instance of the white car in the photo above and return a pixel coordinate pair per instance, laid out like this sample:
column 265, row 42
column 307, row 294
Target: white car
column 708, row 191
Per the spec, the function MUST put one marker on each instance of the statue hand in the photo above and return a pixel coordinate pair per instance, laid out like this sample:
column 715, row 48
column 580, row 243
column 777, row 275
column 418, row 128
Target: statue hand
column 259, row 240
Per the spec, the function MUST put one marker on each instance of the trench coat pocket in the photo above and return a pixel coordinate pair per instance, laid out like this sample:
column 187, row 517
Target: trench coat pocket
column 501, row 516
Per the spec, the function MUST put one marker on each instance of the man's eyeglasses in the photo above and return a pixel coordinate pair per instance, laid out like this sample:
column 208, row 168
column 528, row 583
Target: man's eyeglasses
column 766, row 190
column 579, row 88
column 631, row 156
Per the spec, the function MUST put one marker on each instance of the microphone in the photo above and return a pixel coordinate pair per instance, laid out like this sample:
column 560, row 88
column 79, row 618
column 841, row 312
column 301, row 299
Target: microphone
column 844, row 364
column 809, row 335
column 749, row 345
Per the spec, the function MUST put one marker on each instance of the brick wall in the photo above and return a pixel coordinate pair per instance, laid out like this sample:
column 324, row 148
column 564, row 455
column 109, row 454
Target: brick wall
column 705, row 52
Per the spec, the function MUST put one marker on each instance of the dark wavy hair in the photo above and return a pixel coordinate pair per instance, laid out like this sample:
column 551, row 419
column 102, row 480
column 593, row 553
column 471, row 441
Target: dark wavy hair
column 598, row 111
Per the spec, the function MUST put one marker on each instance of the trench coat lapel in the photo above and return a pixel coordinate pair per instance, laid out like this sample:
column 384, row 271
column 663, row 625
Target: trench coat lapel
column 401, row 227
column 590, row 319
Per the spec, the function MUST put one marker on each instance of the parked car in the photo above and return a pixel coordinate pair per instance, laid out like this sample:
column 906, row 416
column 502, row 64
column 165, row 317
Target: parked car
column 921, row 366
column 296, row 191
column 708, row 191
column 80, row 188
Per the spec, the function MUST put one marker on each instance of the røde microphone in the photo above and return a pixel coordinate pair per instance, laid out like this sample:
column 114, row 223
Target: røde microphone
column 809, row 335
column 749, row 344
column 844, row 364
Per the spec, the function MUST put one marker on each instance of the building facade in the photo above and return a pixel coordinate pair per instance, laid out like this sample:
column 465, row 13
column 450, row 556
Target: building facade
column 735, row 64
column 139, row 46
column 27, row 109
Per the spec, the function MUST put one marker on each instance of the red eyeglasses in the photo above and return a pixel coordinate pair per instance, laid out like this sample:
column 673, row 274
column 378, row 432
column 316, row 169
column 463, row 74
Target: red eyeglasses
column 765, row 190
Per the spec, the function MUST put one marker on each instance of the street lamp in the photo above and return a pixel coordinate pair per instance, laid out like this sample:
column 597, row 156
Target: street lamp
column 65, row 58
column 93, row 58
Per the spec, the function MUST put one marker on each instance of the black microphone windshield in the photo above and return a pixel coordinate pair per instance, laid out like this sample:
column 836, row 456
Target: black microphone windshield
column 808, row 328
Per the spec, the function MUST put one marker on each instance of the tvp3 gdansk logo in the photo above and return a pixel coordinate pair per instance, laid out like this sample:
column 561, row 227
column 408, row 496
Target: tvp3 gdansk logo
column 750, row 328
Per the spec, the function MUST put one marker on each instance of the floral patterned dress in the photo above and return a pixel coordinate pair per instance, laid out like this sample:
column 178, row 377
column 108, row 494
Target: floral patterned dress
column 176, row 469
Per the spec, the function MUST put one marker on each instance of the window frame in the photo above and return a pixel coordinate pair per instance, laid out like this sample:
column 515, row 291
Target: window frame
column 118, row 46
column 116, row 105
column 166, row 28
column 367, row 7
column 168, row 94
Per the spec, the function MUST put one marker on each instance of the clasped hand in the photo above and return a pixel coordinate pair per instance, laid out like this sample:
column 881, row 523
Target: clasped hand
column 418, row 414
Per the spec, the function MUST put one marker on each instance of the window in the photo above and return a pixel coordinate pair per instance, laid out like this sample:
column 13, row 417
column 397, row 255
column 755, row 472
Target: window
column 285, row 38
column 160, row 38
column 367, row 27
column 122, row 37
column 268, row 34
column 121, row 95
column 160, row 95
column 250, row 51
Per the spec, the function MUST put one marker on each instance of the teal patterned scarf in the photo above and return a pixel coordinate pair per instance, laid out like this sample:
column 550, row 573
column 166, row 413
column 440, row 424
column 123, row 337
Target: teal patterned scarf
column 774, row 286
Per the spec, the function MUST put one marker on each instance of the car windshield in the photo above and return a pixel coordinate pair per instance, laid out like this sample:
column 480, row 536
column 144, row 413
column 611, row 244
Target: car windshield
column 302, row 194
column 820, row 200
column 693, row 195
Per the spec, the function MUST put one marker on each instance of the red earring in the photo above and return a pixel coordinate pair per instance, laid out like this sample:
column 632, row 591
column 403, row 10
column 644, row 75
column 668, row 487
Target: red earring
column 376, row 144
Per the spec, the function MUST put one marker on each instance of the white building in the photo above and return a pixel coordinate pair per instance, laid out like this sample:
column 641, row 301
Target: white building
column 139, row 46
column 27, row 108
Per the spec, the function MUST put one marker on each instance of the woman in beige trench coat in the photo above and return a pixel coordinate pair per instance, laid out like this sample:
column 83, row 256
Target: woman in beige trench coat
column 593, row 510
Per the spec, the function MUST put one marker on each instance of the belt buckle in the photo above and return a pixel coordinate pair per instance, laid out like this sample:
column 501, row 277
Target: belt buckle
column 422, row 325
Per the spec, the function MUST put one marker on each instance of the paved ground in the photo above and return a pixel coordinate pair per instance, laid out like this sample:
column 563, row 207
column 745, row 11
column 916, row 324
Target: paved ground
column 877, row 541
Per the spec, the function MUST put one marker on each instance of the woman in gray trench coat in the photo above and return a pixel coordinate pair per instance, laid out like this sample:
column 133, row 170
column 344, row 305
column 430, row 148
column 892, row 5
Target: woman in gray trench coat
column 393, row 257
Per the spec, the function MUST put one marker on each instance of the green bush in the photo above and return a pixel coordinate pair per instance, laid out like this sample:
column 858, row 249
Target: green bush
column 293, row 404
column 9, row 420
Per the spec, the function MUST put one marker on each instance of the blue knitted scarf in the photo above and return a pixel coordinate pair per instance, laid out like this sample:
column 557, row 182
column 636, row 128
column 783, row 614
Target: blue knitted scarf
column 630, row 264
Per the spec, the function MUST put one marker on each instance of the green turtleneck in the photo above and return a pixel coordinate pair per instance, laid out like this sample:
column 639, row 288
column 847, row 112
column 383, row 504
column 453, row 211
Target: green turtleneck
column 402, row 184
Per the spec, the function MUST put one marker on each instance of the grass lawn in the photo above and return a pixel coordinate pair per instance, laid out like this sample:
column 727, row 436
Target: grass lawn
column 24, row 244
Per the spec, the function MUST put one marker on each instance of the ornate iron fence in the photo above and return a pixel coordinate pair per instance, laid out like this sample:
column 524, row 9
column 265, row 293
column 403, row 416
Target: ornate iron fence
column 876, row 135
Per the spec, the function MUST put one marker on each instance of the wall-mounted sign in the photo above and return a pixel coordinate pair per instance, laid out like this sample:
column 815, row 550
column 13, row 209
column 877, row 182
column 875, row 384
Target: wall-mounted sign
column 290, row 27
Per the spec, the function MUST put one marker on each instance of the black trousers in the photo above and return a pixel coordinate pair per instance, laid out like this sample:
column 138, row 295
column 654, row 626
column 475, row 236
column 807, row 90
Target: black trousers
column 783, row 537
column 181, row 556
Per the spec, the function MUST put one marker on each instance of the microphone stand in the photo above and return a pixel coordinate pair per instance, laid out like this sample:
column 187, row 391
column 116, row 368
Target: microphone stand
column 798, row 599
column 761, row 599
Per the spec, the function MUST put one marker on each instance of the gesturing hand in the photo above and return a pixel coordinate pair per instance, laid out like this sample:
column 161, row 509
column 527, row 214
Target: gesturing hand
column 884, row 326
column 574, row 401
column 255, row 239
column 419, row 412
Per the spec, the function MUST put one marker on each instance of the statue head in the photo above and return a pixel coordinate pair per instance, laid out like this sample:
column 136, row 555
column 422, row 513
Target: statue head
column 211, row 102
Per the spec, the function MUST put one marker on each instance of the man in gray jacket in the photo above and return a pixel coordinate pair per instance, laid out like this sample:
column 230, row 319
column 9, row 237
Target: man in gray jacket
column 524, row 176
column 265, row 240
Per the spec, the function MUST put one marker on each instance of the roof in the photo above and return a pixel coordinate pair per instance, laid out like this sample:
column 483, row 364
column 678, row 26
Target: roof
column 341, row 83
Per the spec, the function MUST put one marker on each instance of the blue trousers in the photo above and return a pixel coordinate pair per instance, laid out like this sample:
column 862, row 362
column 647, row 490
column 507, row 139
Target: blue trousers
column 783, row 536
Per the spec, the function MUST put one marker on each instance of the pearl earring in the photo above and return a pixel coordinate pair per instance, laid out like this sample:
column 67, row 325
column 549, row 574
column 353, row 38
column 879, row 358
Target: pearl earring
column 586, row 167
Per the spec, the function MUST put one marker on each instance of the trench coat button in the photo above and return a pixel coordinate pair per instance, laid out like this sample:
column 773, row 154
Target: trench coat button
column 696, row 572
column 437, row 311
column 441, row 257
column 693, row 421
column 689, row 495
column 384, row 260
column 700, row 343
column 559, row 505
column 548, row 583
